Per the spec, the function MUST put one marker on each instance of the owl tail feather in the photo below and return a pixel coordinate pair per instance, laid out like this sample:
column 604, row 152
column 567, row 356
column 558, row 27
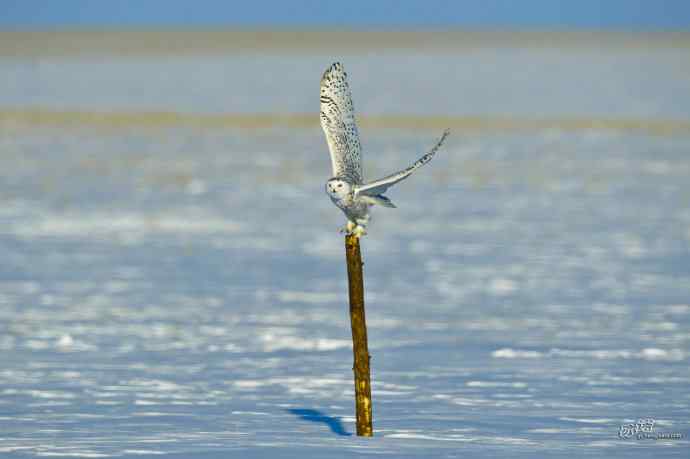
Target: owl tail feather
column 379, row 199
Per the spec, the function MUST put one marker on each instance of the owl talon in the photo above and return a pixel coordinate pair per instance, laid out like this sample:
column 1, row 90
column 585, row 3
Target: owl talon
column 347, row 229
column 359, row 231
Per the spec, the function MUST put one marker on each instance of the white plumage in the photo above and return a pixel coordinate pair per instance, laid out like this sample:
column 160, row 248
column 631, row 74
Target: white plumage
column 346, row 188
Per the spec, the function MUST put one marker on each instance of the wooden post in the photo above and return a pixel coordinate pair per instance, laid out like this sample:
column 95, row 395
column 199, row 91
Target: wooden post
column 360, row 348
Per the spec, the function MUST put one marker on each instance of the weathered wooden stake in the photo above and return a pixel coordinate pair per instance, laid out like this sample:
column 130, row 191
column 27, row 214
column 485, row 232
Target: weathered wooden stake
column 360, row 349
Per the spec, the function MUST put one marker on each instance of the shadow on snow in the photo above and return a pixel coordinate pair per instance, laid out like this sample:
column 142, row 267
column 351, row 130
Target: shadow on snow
column 333, row 423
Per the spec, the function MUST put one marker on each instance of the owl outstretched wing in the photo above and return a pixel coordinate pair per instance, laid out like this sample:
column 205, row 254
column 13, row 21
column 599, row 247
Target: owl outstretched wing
column 379, row 186
column 338, row 123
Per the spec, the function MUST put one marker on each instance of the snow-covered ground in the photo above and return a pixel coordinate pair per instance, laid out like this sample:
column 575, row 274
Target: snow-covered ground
column 181, row 292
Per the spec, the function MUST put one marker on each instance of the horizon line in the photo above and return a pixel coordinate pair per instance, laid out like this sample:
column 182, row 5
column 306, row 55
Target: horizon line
column 164, row 119
column 146, row 42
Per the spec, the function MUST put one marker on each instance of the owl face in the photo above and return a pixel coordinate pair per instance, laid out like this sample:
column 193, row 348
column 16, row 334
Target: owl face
column 338, row 188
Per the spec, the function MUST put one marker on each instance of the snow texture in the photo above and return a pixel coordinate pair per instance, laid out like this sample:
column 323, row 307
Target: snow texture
column 181, row 292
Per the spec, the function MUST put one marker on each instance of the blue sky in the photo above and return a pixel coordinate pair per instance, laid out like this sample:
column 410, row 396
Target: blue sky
column 522, row 14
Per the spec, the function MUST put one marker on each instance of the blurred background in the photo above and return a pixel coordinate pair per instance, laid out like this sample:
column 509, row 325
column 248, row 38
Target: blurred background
column 173, row 282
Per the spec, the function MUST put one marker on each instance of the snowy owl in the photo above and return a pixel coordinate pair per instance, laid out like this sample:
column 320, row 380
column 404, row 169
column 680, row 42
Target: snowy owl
column 346, row 188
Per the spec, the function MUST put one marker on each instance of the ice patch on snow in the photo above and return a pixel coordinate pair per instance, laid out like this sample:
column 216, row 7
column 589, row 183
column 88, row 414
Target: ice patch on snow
column 508, row 353
column 602, row 354
column 71, row 454
column 419, row 436
column 517, row 384
column 103, row 225
column 142, row 452
column 502, row 287
column 272, row 342
column 589, row 420
column 290, row 296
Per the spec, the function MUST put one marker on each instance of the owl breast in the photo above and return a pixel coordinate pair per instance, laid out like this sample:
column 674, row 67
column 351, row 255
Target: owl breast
column 354, row 209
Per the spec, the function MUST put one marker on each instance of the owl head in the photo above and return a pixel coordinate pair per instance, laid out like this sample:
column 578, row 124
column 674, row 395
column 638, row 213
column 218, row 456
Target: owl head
column 338, row 188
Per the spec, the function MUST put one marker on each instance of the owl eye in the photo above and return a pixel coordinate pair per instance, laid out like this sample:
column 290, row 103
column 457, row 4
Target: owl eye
column 340, row 185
